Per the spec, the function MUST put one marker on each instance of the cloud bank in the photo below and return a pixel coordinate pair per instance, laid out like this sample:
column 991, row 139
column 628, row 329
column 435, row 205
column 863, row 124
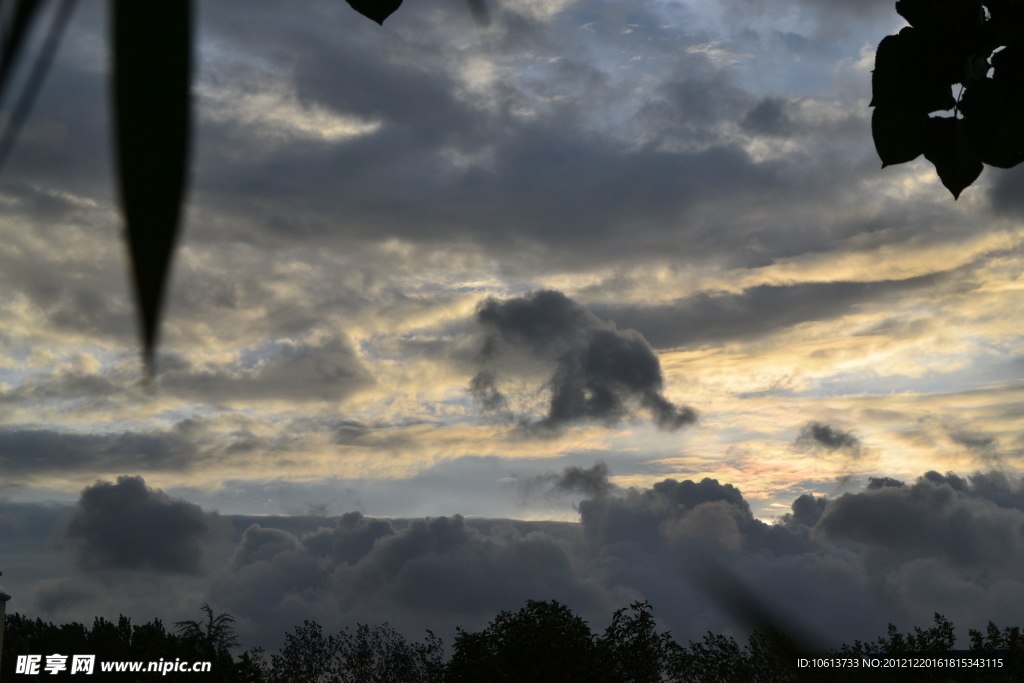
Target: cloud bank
column 841, row 567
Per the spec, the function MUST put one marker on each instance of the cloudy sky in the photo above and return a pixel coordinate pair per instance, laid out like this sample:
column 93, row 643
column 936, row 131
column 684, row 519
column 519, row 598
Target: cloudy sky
column 624, row 276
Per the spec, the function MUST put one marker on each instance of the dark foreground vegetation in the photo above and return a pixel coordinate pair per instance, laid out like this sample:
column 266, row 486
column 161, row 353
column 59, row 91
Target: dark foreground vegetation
column 544, row 642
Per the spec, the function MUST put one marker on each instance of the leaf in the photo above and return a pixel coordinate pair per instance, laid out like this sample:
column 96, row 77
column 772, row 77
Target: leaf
column 942, row 16
column 899, row 134
column 152, row 76
column 378, row 10
column 956, row 160
column 1008, row 65
column 1006, row 146
column 910, row 73
column 994, row 119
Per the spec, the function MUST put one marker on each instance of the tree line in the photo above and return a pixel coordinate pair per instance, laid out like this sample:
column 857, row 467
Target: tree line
column 543, row 642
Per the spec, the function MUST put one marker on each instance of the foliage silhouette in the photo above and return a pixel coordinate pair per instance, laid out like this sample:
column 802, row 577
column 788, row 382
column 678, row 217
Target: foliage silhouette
column 543, row 642
column 381, row 655
column 949, row 43
column 368, row 655
column 631, row 649
column 307, row 657
column 213, row 635
column 121, row 641
column 718, row 658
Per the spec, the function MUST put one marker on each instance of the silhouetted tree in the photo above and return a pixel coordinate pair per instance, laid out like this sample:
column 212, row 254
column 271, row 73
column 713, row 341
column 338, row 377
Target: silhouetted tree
column 631, row 650
column 381, row 655
column 937, row 641
column 544, row 642
column 307, row 657
column 120, row 641
column 367, row 655
column 211, row 640
column 214, row 635
column 1008, row 643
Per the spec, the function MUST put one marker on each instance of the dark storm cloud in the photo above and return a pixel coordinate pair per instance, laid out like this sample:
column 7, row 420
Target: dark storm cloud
column 823, row 436
column 28, row 451
column 1004, row 491
column 939, row 516
column 284, row 371
column 130, row 526
column 670, row 507
column 600, row 372
column 434, row 573
column 583, row 197
column 710, row 317
column 442, row 572
column 887, row 554
column 807, row 511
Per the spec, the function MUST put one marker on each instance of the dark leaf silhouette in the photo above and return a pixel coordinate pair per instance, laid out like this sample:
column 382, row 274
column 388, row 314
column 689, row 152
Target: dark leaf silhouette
column 994, row 110
column 955, row 159
column 898, row 133
column 378, row 10
column 952, row 42
column 906, row 76
column 152, row 74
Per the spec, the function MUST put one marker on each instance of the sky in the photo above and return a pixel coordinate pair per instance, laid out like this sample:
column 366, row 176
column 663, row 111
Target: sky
column 550, row 309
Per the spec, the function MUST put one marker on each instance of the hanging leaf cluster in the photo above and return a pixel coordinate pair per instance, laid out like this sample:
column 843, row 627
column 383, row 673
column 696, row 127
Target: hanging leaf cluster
column 977, row 45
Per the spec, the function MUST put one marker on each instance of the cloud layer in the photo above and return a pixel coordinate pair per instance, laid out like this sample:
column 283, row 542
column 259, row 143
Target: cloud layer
column 883, row 553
